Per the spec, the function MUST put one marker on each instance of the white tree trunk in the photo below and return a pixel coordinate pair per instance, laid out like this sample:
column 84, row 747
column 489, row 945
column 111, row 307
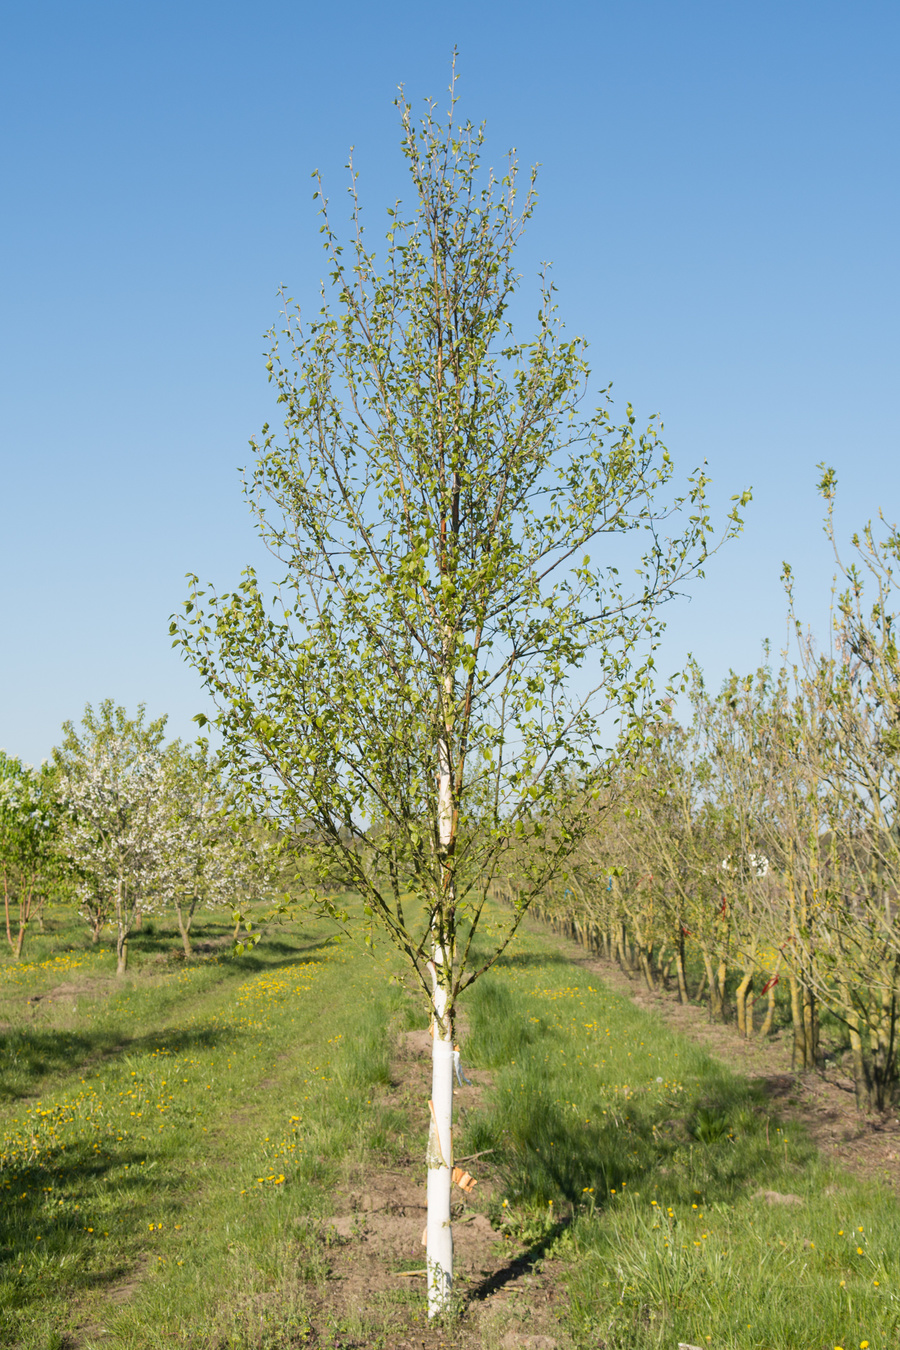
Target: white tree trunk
column 439, row 1237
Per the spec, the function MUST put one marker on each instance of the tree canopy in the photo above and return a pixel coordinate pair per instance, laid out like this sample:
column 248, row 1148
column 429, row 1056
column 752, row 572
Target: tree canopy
column 425, row 690
column 440, row 501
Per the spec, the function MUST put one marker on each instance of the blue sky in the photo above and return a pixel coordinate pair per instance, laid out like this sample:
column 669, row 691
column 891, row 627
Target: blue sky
column 719, row 197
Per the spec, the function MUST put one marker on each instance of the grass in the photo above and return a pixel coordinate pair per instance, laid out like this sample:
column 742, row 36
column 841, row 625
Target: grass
column 164, row 1142
column 633, row 1155
column 170, row 1144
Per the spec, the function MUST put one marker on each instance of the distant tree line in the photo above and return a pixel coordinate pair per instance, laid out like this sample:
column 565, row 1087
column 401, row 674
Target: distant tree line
column 753, row 848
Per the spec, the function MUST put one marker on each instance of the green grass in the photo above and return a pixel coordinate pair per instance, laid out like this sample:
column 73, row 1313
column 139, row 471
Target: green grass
column 632, row 1154
column 169, row 1145
column 180, row 1133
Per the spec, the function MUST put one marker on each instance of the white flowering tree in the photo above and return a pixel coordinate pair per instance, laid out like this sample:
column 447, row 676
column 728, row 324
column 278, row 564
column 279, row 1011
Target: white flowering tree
column 214, row 855
column 405, row 706
column 29, row 863
column 115, row 823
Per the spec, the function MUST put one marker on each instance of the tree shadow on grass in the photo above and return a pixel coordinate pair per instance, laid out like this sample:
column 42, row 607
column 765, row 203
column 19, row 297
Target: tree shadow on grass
column 150, row 946
column 711, row 1141
column 526, row 960
column 518, row 1265
column 100, row 1230
column 253, row 962
column 29, row 1055
column 151, row 941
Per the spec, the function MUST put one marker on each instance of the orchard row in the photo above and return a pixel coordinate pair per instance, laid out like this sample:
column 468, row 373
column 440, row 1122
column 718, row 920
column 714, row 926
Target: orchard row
column 753, row 846
column 120, row 824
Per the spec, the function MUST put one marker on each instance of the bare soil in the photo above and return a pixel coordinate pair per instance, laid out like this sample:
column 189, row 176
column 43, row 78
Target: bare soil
column 507, row 1296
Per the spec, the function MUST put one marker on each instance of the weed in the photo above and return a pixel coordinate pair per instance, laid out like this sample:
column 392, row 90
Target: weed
column 708, row 1125
column 525, row 1225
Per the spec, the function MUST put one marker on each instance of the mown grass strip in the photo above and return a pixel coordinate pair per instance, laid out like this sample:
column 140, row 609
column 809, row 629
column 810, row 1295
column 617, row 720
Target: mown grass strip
column 659, row 1154
column 162, row 1179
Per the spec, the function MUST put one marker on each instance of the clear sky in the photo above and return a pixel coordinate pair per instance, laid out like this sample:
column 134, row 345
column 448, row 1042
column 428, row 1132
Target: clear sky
column 719, row 197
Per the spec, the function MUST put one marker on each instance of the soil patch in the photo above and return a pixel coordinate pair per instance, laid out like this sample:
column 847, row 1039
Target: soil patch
column 507, row 1295
column 72, row 991
column 118, row 1292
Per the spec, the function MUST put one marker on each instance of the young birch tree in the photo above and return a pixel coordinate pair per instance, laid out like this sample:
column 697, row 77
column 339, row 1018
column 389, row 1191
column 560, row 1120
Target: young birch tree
column 423, row 692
